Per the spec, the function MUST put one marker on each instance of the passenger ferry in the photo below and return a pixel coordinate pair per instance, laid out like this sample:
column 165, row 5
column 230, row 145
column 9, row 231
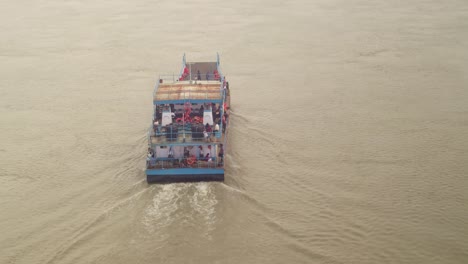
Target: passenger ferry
column 188, row 136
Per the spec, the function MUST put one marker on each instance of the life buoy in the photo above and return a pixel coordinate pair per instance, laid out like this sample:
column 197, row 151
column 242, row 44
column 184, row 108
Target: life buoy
column 197, row 119
column 191, row 160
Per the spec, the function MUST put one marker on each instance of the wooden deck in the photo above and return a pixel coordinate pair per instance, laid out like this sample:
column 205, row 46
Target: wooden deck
column 187, row 91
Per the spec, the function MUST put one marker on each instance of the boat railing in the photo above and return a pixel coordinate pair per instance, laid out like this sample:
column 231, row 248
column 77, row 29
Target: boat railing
column 221, row 87
column 184, row 63
column 179, row 136
column 168, row 78
column 218, row 67
column 156, row 89
column 226, row 132
column 150, row 134
column 184, row 162
column 187, row 95
column 172, row 78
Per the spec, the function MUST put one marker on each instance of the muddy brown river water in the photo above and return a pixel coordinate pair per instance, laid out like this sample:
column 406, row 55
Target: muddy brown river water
column 348, row 141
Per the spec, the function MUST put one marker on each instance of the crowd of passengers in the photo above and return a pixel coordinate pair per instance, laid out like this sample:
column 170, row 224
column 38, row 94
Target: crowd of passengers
column 208, row 131
column 189, row 160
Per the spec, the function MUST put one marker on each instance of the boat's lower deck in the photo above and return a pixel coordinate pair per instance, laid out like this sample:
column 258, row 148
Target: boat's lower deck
column 172, row 163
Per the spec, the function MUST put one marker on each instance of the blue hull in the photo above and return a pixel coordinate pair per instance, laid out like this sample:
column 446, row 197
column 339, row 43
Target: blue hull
column 184, row 175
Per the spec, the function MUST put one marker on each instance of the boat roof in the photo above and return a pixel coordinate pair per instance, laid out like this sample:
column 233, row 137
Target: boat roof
column 188, row 91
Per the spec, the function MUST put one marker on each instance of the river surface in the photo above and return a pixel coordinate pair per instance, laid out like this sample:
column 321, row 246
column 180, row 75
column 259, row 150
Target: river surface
column 348, row 144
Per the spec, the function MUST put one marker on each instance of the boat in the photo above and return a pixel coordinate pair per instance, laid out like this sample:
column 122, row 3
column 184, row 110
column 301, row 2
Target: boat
column 187, row 139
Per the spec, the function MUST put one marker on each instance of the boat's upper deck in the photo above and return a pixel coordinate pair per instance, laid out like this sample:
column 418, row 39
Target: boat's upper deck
column 198, row 82
column 188, row 90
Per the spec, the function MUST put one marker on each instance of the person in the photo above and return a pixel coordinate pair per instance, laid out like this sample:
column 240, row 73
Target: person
column 202, row 109
column 209, row 130
column 221, row 153
column 148, row 161
column 150, row 153
column 199, row 75
column 207, row 75
column 216, row 128
column 150, row 158
column 224, row 123
column 205, row 135
column 217, row 112
column 171, row 153
column 201, row 152
column 156, row 127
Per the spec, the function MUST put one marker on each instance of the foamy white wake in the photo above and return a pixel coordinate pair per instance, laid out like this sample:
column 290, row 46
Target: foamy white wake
column 203, row 202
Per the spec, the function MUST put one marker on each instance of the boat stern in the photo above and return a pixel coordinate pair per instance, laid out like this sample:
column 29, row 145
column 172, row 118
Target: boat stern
column 184, row 175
